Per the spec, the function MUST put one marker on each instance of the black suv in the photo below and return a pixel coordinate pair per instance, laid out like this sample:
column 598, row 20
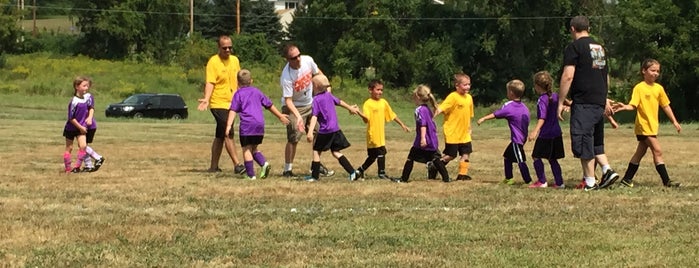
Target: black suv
column 149, row 105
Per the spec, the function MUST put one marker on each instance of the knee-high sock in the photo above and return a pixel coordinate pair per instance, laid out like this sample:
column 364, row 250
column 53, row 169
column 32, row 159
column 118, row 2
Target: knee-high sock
column 442, row 169
column 407, row 169
column 81, row 157
column 508, row 168
column 367, row 163
column 524, row 169
column 557, row 172
column 631, row 171
column 381, row 161
column 259, row 158
column 88, row 162
column 463, row 167
column 539, row 169
column 315, row 169
column 67, row 160
column 92, row 153
column 663, row 173
column 346, row 164
column 249, row 168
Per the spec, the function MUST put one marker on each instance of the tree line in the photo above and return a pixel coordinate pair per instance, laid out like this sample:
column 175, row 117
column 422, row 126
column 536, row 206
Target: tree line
column 403, row 42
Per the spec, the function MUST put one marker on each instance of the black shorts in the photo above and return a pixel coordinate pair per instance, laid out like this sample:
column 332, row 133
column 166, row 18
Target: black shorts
column 221, row 117
column 515, row 153
column 375, row 152
column 587, row 130
column 548, row 148
column 91, row 135
column 451, row 149
column 71, row 134
column 334, row 142
column 643, row 137
column 250, row 140
column 422, row 156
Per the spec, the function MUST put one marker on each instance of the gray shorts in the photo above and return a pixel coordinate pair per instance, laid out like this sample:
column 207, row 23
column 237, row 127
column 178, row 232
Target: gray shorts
column 293, row 135
column 587, row 130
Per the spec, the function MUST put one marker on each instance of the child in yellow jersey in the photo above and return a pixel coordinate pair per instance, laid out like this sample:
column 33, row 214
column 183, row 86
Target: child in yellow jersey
column 647, row 96
column 376, row 112
column 458, row 111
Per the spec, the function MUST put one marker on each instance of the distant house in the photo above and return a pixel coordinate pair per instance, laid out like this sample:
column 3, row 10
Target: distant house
column 286, row 4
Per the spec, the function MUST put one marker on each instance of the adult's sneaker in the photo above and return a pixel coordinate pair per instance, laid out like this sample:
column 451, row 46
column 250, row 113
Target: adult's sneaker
column 590, row 188
column 672, row 184
column 608, row 179
column 98, row 164
column 264, row 171
column 625, row 184
column 288, row 174
column 239, row 169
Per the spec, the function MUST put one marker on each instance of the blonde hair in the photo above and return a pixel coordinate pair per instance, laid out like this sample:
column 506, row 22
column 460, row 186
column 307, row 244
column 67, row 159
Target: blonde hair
column 79, row 80
column 320, row 83
column 516, row 87
column 244, row 77
column 544, row 80
column 424, row 94
column 459, row 76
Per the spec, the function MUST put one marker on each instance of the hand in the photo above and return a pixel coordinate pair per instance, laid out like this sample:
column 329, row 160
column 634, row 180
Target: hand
column 299, row 124
column 614, row 124
column 203, row 104
column 405, row 128
column 677, row 126
column 561, row 108
column 228, row 131
column 480, row 121
column 88, row 121
column 284, row 119
column 83, row 130
column 533, row 135
column 309, row 136
column 423, row 143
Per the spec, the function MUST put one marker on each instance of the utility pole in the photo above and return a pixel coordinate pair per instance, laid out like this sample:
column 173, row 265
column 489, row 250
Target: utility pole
column 237, row 17
column 34, row 19
column 191, row 18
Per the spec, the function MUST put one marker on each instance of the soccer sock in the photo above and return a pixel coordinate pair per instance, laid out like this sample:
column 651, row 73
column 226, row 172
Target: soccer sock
column 442, row 169
column 92, row 153
column 315, row 169
column 557, row 172
column 663, row 173
column 81, row 156
column 345, row 164
column 259, row 158
column 525, row 172
column 88, row 161
column 407, row 169
column 539, row 169
column 508, row 169
column 631, row 171
column 381, row 161
column 67, row 160
column 249, row 168
column 367, row 163
column 463, row 167
column 288, row 166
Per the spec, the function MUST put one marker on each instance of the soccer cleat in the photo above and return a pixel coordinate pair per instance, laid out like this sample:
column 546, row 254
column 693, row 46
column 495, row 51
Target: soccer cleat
column 75, row 170
column 354, row 175
column 398, row 180
column 310, row 179
column 250, row 178
column 360, row 174
column 326, row 172
column 625, row 184
column 672, row 184
column 239, row 169
column 98, row 164
column 463, row 177
column 288, row 174
column 508, row 181
column 608, row 179
column 264, row 171
column 88, row 169
column 538, row 184
column 590, row 188
column 431, row 171
column 383, row 176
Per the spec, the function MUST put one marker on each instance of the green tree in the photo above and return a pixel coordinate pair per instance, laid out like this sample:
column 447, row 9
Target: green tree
column 9, row 30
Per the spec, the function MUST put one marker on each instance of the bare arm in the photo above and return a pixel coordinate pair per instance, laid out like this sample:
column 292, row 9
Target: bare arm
column 352, row 109
column 400, row 123
column 311, row 125
column 204, row 102
column 535, row 133
column 423, row 136
column 292, row 108
column 671, row 116
column 229, row 123
column 487, row 117
column 90, row 115
column 566, row 80
column 282, row 117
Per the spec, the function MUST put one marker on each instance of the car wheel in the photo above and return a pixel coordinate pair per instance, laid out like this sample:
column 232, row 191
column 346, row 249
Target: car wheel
column 176, row 117
column 138, row 115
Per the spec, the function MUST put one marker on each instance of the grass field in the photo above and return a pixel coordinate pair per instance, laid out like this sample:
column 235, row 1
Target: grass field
column 152, row 204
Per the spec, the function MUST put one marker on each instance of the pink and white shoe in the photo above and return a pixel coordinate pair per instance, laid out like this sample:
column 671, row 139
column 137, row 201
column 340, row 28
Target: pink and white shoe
column 538, row 184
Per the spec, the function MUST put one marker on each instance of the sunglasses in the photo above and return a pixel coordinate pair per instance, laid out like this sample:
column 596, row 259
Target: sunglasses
column 295, row 57
column 227, row 48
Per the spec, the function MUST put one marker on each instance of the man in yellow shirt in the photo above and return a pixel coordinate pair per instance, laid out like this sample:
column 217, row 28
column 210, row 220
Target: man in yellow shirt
column 458, row 111
column 221, row 83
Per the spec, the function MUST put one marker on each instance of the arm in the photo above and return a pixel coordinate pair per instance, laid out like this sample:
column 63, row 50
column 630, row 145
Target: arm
column 487, row 117
column 537, row 128
column 90, row 115
column 437, row 112
column 400, row 123
column 229, row 123
column 282, row 117
column 423, row 136
column 566, row 81
column 204, row 102
column 352, row 109
column 77, row 125
column 311, row 125
column 671, row 116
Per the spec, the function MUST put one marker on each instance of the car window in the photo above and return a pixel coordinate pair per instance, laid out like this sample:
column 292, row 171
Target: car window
column 155, row 101
column 173, row 102
column 135, row 99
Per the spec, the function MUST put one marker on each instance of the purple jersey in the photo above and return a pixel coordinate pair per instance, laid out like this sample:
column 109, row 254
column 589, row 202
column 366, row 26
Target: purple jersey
column 517, row 115
column 324, row 109
column 248, row 102
column 78, row 109
column 423, row 118
column 547, row 109
column 91, row 105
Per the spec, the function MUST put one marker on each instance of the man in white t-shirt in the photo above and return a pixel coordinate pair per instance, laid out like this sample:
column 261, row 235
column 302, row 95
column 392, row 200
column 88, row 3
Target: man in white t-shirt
column 297, row 97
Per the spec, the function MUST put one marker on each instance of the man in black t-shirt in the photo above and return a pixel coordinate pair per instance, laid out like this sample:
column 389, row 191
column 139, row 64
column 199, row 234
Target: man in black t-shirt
column 585, row 77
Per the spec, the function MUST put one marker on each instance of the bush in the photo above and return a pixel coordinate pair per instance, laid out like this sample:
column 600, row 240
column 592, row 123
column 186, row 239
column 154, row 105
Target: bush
column 50, row 42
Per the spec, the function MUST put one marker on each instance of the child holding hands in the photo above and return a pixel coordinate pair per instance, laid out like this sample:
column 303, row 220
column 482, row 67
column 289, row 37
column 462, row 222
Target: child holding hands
column 547, row 132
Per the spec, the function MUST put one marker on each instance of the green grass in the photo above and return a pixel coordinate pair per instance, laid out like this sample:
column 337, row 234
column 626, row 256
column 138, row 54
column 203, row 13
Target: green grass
column 59, row 24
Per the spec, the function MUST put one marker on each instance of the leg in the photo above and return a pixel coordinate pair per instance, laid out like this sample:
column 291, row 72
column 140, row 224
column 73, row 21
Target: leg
column 230, row 148
column 67, row 154
column 539, row 169
column 216, row 149
column 248, row 161
column 407, row 169
column 654, row 145
column 557, row 172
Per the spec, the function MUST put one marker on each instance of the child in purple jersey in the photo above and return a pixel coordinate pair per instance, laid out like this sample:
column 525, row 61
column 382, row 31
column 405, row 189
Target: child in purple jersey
column 330, row 137
column 547, row 132
column 76, row 125
column 91, row 130
column 517, row 115
column 425, row 146
column 247, row 102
